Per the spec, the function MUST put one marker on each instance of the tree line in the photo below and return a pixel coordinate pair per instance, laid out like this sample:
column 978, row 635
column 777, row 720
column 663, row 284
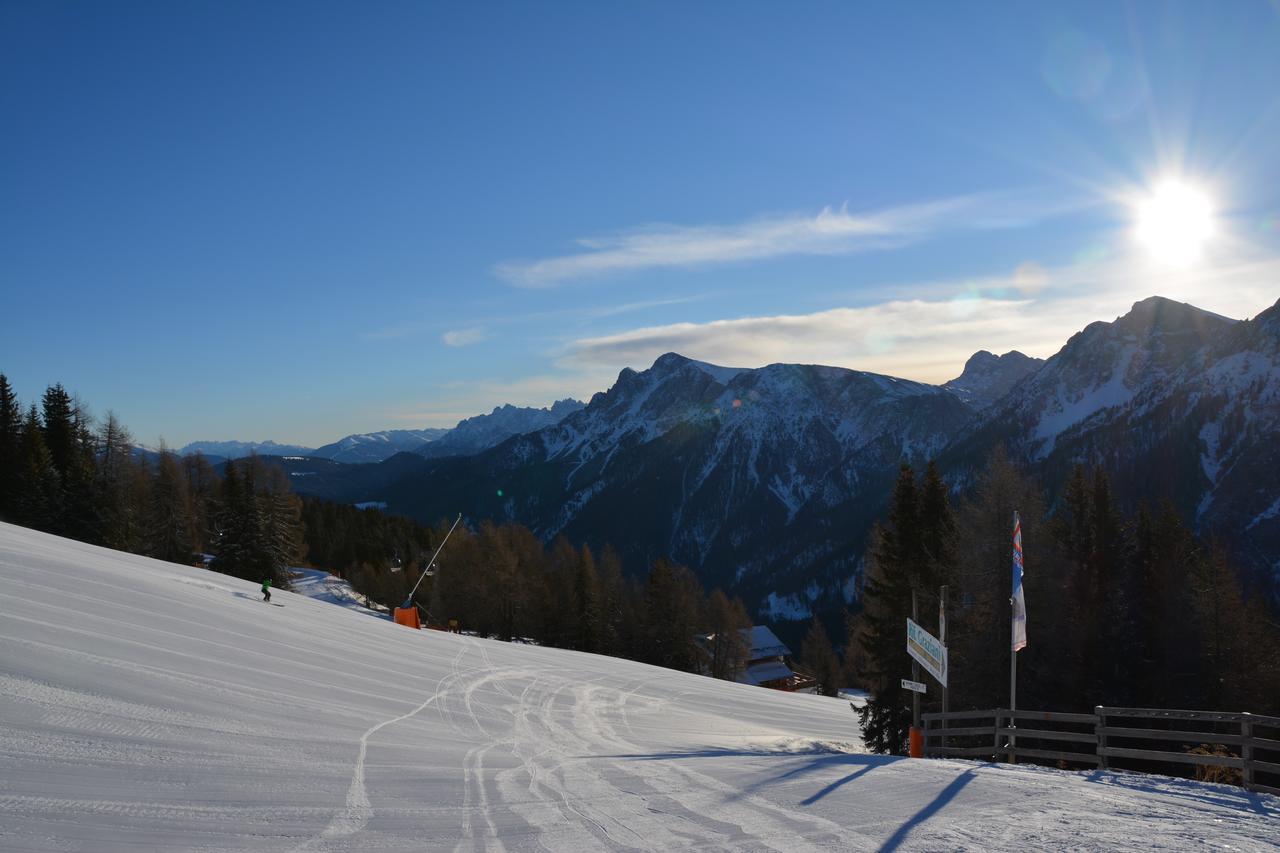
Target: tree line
column 1123, row 608
column 63, row 473
column 500, row 580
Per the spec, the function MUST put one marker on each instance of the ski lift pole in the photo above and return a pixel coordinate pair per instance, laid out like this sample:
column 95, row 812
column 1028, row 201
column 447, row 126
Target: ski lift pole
column 408, row 602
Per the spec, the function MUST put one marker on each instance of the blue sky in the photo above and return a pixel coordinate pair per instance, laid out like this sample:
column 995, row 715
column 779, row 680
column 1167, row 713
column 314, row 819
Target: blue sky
column 300, row 220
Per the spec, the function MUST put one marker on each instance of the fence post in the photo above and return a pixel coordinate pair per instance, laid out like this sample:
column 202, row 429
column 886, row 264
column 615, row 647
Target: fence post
column 996, row 744
column 1246, row 749
column 1099, row 729
column 926, row 735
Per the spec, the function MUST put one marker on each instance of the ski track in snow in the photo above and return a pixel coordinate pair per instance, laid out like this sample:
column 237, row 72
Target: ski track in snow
column 162, row 707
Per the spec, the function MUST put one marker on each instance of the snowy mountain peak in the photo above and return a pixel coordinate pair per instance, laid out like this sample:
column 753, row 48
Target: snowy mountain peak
column 240, row 449
column 713, row 463
column 481, row 432
column 377, row 446
column 1157, row 315
column 988, row 377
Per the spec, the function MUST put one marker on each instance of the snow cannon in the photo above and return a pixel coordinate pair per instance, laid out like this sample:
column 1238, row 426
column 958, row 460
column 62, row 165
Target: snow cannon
column 407, row 616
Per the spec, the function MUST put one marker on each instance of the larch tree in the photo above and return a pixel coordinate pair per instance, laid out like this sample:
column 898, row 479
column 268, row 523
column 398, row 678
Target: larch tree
column 819, row 659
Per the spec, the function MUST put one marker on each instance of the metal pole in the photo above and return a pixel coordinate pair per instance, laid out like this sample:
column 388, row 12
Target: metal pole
column 915, row 670
column 942, row 638
column 1013, row 704
column 409, row 600
column 1013, row 666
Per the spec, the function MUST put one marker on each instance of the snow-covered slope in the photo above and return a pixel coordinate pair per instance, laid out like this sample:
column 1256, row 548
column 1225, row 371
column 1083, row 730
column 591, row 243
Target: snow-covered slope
column 149, row 706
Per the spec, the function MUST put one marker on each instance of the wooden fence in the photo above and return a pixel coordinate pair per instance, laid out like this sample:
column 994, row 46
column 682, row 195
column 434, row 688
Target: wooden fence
column 1213, row 740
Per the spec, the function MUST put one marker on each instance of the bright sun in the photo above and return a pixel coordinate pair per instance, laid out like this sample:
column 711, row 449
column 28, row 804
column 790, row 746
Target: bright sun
column 1175, row 222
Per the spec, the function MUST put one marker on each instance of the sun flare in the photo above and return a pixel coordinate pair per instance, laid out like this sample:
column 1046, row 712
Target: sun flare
column 1175, row 222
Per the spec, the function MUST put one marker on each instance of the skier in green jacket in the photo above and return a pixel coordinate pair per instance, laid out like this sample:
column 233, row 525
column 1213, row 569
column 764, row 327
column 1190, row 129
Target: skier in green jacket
column 266, row 590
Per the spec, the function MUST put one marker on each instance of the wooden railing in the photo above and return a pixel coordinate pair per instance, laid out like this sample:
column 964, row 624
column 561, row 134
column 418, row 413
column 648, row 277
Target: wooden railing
column 1134, row 735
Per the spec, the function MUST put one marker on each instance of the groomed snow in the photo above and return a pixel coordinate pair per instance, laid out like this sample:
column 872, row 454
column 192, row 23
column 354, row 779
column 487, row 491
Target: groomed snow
column 148, row 706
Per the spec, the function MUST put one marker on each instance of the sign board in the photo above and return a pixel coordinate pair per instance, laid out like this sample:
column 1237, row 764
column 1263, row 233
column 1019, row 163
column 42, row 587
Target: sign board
column 915, row 686
column 926, row 649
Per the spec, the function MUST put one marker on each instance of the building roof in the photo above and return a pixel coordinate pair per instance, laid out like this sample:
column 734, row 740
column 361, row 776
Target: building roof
column 765, row 672
column 763, row 643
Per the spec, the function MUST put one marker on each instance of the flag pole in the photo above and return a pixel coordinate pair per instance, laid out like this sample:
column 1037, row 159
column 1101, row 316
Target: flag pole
column 1017, row 638
column 1013, row 703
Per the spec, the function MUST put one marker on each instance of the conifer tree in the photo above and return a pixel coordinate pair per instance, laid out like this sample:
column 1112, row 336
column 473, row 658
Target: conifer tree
column 882, row 633
column 81, row 516
column 59, row 427
column 614, row 596
column 587, row 599
column 38, row 490
column 202, row 486
column 168, row 526
column 10, row 449
column 978, row 630
column 236, row 518
column 671, row 616
column 114, row 491
column 280, row 514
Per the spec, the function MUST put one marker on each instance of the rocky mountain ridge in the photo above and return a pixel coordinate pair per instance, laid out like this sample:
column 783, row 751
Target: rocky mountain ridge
column 767, row 481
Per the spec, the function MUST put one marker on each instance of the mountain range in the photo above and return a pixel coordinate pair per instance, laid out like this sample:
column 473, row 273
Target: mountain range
column 470, row 436
column 766, row 481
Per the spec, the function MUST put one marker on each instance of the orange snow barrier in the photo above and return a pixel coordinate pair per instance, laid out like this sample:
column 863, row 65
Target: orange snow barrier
column 917, row 743
column 407, row 616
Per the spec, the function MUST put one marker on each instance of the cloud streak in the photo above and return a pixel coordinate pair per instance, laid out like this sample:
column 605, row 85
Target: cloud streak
column 464, row 337
column 926, row 341
column 830, row 231
column 1032, row 309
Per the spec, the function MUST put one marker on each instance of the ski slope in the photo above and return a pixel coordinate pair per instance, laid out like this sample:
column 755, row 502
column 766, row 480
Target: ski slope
column 148, row 706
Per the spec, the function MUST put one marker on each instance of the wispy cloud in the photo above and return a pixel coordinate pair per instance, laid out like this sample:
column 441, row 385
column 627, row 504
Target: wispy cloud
column 830, row 231
column 927, row 341
column 1031, row 309
column 579, row 314
column 465, row 337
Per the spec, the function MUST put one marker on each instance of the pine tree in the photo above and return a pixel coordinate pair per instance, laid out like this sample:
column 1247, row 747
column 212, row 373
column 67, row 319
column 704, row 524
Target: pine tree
column 615, row 636
column 59, row 427
column 1165, row 645
column 117, row 509
column 882, row 632
column 81, row 516
column 937, row 532
column 10, row 449
column 236, row 518
column 38, row 492
column 671, row 601
column 978, row 630
column 168, row 524
column 280, row 512
column 202, row 486
column 587, row 599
